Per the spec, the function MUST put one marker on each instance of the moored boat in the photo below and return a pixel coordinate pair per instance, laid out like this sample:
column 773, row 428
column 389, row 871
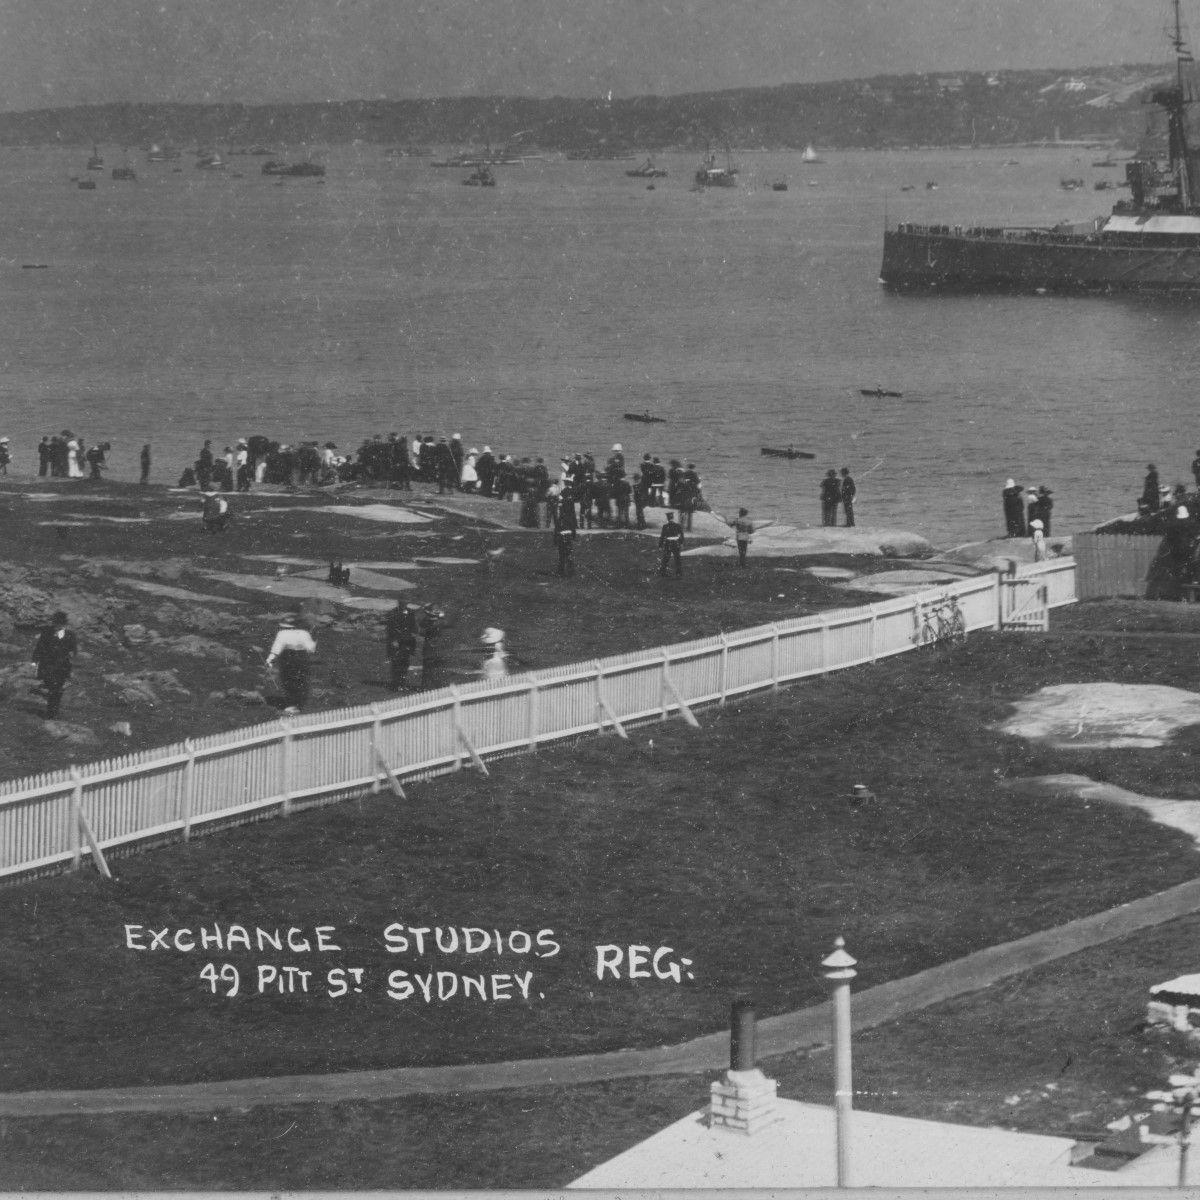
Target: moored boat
column 1150, row 242
column 711, row 175
column 646, row 418
column 810, row 155
column 648, row 171
column 788, row 452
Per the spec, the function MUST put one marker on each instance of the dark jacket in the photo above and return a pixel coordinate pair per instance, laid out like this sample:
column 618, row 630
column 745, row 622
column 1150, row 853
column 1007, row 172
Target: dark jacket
column 53, row 654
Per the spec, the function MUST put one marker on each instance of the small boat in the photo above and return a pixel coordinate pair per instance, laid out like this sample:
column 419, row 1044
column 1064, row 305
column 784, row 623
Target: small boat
column 126, row 173
column 810, row 155
column 879, row 393
column 648, row 171
column 710, row 175
column 906, row 187
column 1106, row 162
column 774, row 452
column 1070, row 185
column 779, row 185
column 86, row 185
column 306, row 168
column 210, row 160
column 931, row 185
column 34, row 266
column 95, row 163
column 645, row 418
column 480, row 177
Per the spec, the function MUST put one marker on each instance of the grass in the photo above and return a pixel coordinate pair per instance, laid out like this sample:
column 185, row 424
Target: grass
column 733, row 845
column 616, row 603
column 1060, row 1049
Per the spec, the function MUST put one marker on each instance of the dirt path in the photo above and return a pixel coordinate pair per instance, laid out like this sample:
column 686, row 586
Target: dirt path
column 806, row 1029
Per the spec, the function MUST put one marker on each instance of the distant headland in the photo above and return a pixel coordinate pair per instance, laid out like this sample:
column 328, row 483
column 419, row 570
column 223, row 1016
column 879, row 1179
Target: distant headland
column 951, row 108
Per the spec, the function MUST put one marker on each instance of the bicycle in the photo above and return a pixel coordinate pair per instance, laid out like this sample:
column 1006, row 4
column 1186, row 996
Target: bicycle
column 942, row 621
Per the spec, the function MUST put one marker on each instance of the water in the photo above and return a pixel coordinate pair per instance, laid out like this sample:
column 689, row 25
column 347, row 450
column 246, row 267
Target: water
column 197, row 305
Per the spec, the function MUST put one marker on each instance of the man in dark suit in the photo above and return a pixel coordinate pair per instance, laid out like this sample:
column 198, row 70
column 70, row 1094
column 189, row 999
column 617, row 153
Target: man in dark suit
column 54, row 656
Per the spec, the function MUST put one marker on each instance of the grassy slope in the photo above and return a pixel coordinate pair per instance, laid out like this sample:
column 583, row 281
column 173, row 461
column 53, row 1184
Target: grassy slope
column 732, row 844
column 1064, row 1042
column 616, row 603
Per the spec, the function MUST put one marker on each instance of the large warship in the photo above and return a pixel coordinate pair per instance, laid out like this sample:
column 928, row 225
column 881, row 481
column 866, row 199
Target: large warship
column 1150, row 242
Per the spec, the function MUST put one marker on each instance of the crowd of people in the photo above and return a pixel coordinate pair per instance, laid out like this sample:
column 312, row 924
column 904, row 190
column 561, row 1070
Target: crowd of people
column 65, row 455
column 606, row 495
column 1027, row 513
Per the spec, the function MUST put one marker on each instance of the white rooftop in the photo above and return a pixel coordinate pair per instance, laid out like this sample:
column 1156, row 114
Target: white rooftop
column 798, row 1151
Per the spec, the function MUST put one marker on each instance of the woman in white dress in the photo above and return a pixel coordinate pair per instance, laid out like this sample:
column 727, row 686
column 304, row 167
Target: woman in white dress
column 74, row 466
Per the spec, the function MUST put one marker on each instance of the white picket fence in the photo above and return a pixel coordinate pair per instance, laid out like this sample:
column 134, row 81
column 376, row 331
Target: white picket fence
column 50, row 821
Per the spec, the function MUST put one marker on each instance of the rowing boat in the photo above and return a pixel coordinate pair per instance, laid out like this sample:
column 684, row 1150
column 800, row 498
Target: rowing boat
column 879, row 393
column 788, row 453
column 646, row 418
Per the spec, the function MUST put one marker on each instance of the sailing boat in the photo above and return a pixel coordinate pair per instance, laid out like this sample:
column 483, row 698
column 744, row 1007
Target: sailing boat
column 710, row 175
column 1150, row 242
column 95, row 163
column 810, row 155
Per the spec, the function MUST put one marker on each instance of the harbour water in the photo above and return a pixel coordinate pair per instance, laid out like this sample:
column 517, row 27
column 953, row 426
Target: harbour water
column 195, row 304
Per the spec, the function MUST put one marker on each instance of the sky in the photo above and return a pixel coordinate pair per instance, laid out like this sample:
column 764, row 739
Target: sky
column 62, row 52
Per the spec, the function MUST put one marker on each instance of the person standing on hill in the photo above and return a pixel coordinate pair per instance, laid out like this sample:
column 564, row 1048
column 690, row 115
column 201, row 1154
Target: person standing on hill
column 831, row 493
column 145, row 461
column 45, row 453
column 743, row 531
column 400, row 631
column 566, row 531
column 847, row 493
column 54, row 657
column 1014, row 509
column 293, row 649
column 1045, row 504
column 670, row 541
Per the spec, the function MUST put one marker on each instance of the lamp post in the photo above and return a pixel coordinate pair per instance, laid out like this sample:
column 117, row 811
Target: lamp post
column 1183, row 1098
column 839, row 970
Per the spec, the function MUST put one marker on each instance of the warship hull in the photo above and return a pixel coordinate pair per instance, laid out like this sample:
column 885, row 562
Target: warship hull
column 951, row 258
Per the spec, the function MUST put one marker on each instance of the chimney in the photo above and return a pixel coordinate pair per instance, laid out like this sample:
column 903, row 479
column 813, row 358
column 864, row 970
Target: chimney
column 744, row 1100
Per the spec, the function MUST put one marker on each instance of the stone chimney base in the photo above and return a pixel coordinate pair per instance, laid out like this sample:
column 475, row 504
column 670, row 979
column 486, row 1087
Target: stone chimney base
column 743, row 1102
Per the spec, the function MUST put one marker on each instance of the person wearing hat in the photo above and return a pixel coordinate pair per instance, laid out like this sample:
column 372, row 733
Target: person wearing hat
column 5, row 456
column 400, row 638
column 743, row 531
column 670, row 542
column 468, row 478
column 485, row 469
column 144, row 459
column 615, row 467
column 54, row 657
column 1039, row 540
column 430, row 625
column 831, row 493
column 1149, row 502
column 494, row 666
column 293, row 649
column 1045, row 504
column 215, row 513
column 847, row 494
column 1033, row 509
column 1014, row 509
column 566, row 531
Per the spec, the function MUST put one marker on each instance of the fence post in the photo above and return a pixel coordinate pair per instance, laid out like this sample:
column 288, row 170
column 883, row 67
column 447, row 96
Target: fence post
column 662, row 683
column 455, row 715
column 285, row 766
column 76, row 817
column 376, row 750
column 599, row 698
column 188, row 800
column 724, row 668
column 774, row 657
column 998, row 582
column 531, row 715
column 871, row 647
column 824, row 643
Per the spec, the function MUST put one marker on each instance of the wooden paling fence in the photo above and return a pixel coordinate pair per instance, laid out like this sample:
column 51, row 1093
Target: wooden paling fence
column 1115, row 564
column 50, row 821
